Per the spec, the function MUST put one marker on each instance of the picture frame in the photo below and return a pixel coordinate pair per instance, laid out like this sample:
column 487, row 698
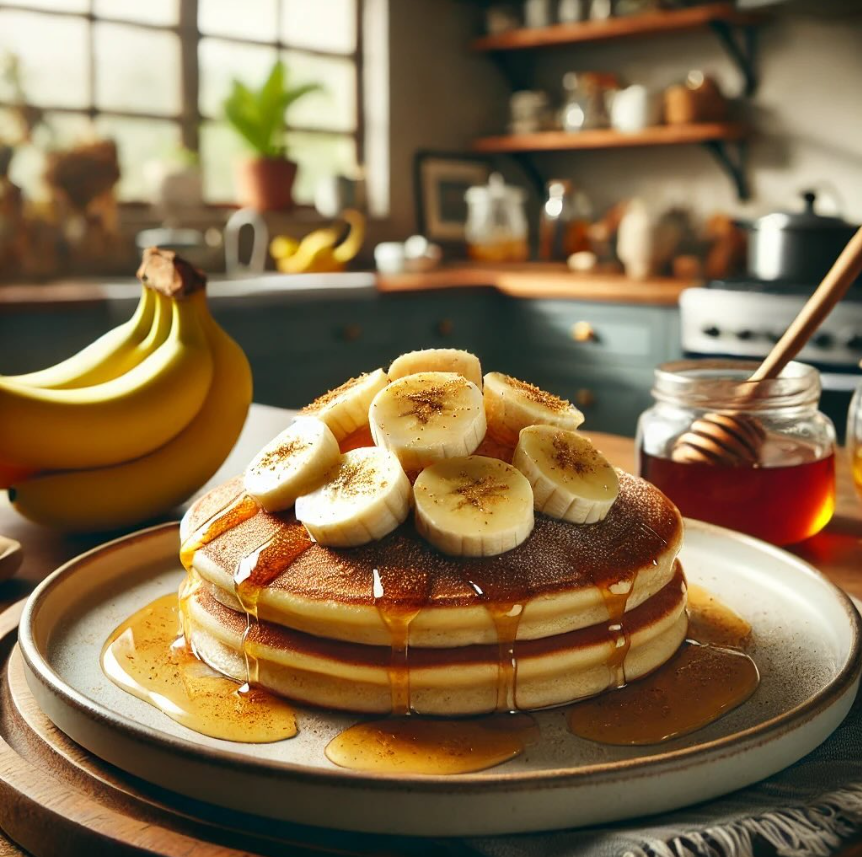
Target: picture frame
column 440, row 180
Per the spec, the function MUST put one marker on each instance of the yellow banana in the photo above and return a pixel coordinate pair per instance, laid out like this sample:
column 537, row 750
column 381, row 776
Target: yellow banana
column 126, row 494
column 108, row 357
column 116, row 421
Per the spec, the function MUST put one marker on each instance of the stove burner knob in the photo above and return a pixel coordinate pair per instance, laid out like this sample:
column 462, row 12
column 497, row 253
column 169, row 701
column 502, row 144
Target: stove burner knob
column 823, row 340
column 712, row 331
column 855, row 342
column 744, row 335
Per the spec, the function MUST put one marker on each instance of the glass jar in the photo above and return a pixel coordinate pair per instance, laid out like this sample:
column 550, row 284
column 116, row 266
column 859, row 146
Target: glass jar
column 784, row 495
column 854, row 437
column 496, row 229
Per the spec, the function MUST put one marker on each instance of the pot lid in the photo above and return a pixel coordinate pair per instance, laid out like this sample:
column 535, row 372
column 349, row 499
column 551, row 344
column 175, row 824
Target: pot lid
column 803, row 220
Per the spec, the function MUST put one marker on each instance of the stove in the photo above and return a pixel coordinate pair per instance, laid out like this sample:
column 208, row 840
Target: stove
column 743, row 319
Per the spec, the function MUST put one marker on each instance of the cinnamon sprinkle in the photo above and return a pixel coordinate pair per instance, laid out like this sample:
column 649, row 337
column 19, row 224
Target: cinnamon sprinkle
column 477, row 491
column 577, row 461
column 333, row 395
column 271, row 459
column 538, row 395
column 429, row 402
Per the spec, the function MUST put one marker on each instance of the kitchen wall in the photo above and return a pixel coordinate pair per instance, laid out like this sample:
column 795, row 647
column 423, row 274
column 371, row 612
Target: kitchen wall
column 807, row 112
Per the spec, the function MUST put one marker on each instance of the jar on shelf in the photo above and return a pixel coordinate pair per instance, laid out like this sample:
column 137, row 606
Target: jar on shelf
column 564, row 222
column 585, row 101
column 496, row 228
column 785, row 492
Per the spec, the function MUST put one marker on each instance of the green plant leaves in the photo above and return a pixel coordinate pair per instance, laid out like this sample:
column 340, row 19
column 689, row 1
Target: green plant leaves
column 259, row 116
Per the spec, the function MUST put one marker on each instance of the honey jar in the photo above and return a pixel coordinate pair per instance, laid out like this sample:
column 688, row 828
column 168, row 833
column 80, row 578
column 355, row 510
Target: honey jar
column 785, row 491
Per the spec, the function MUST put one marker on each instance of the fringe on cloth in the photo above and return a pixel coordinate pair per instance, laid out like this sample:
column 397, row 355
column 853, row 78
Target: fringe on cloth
column 808, row 831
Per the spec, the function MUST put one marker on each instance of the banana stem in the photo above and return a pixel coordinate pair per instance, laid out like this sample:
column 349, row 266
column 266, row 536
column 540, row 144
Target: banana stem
column 165, row 272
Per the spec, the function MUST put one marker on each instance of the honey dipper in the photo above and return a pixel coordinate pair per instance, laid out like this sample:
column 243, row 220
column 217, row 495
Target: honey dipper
column 734, row 439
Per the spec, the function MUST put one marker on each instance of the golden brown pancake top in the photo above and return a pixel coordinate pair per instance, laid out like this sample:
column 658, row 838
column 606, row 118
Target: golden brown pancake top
column 403, row 570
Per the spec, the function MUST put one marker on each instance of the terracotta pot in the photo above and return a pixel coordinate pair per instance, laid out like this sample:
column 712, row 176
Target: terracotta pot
column 265, row 184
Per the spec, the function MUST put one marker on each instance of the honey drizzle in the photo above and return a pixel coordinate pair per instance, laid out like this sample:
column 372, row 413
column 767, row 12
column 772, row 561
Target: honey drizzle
column 397, row 618
column 706, row 678
column 256, row 570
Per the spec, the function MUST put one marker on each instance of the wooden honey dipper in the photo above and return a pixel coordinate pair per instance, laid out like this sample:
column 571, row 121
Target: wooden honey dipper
column 732, row 439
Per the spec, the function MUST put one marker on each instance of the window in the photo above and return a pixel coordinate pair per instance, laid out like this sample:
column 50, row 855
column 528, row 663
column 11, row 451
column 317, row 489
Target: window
column 152, row 75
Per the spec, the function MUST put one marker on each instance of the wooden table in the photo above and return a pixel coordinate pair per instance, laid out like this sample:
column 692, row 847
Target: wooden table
column 837, row 551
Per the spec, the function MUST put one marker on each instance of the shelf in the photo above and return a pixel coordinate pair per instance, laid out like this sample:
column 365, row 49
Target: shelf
column 658, row 135
column 668, row 21
column 542, row 280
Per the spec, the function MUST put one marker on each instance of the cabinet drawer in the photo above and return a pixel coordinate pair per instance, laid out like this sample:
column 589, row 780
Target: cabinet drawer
column 592, row 333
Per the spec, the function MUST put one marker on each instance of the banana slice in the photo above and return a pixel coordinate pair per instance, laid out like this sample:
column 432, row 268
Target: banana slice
column 365, row 496
column 571, row 479
column 428, row 416
column 345, row 409
column 293, row 463
column 511, row 405
column 473, row 506
column 438, row 360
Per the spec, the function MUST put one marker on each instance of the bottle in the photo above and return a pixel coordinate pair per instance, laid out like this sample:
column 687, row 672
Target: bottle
column 564, row 222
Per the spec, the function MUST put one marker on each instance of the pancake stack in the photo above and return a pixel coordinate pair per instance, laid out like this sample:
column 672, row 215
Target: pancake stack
column 454, row 609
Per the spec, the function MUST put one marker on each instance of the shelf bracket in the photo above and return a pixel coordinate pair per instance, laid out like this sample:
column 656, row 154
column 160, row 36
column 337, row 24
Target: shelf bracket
column 733, row 165
column 740, row 42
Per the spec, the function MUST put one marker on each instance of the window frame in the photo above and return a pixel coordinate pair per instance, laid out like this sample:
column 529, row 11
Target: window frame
column 189, row 119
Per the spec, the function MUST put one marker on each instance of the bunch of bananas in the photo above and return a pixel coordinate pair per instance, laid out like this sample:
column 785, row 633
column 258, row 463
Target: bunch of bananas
column 136, row 422
column 323, row 251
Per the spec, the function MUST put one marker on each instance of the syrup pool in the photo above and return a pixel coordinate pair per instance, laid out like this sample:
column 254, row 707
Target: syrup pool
column 145, row 657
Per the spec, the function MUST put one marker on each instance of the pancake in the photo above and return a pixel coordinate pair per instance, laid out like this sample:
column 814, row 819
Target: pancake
column 443, row 681
column 564, row 577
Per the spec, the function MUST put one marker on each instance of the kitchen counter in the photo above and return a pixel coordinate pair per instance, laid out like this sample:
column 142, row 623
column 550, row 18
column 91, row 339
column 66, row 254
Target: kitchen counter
column 220, row 289
column 529, row 280
column 542, row 280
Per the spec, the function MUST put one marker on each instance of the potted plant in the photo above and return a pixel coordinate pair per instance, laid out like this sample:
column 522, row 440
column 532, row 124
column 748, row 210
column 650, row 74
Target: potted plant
column 265, row 182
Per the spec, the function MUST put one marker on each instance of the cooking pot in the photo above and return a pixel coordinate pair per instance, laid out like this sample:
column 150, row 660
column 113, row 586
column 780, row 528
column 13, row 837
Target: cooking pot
column 796, row 246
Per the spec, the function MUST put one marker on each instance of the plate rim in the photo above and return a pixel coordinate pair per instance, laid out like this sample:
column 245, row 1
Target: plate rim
column 831, row 693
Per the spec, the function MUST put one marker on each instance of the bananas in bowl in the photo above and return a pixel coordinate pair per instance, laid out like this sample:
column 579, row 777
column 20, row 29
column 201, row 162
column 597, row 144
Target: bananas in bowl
column 135, row 423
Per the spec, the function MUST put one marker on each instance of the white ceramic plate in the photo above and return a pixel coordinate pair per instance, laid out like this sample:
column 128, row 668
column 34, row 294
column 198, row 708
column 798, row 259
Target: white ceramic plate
column 806, row 644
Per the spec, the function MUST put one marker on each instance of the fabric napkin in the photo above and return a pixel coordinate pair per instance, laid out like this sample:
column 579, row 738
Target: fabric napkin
column 804, row 810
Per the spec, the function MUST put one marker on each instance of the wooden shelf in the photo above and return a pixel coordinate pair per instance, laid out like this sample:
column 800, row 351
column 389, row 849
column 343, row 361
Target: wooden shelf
column 649, row 23
column 541, row 280
column 659, row 135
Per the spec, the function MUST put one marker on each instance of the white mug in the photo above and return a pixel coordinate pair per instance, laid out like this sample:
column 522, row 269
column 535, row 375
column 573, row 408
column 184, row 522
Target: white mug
column 634, row 108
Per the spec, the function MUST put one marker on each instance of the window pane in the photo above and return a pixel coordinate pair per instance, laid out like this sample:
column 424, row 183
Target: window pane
column 333, row 108
column 139, row 141
column 137, row 70
column 61, row 5
column 221, row 147
column 164, row 13
column 252, row 19
column 53, row 56
column 318, row 156
column 221, row 62
column 328, row 25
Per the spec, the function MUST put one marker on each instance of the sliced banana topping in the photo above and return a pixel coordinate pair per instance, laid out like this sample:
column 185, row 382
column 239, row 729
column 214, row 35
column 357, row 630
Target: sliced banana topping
column 438, row 360
column 428, row 416
column 293, row 463
column 571, row 479
column 364, row 496
column 512, row 405
column 345, row 409
column 473, row 506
